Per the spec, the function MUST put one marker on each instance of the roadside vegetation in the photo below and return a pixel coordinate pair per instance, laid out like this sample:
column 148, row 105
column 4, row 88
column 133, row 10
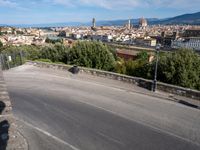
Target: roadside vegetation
column 1, row 44
column 181, row 67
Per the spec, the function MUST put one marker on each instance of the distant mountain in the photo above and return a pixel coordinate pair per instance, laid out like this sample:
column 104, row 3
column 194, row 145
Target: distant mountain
column 192, row 19
column 49, row 25
column 122, row 22
column 3, row 25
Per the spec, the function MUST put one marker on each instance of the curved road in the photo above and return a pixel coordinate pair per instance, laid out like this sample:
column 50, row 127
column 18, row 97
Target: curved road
column 58, row 110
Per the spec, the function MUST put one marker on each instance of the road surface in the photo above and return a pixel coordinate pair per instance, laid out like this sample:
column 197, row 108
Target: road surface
column 56, row 110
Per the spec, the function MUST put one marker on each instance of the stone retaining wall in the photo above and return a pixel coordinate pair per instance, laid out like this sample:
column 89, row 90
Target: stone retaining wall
column 194, row 94
column 10, row 138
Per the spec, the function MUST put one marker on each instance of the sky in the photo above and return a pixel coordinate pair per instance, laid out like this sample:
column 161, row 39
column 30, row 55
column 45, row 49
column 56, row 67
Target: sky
column 58, row 11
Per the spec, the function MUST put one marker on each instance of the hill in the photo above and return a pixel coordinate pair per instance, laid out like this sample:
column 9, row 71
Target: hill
column 193, row 19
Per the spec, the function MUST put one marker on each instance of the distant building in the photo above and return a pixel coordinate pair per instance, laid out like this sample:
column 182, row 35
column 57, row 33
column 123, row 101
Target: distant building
column 131, row 54
column 150, row 42
column 189, row 43
column 77, row 36
column 146, row 42
column 190, row 40
column 129, row 26
column 192, row 32
column 69, row 42
column 127, row 54
column 93, row 23
column 64, row 34
column 38, row 41
column 6, row 30
column 166, row 40
column 143, row 23
column 103, row 38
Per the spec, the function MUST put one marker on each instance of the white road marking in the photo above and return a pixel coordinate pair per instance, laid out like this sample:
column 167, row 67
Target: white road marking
column 50, row 135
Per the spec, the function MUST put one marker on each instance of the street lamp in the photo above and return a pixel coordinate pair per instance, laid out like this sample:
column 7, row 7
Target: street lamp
column 154, row 84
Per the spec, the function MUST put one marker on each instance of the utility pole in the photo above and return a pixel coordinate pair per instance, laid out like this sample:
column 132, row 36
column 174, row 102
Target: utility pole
column 21, row 57
column 154, row 84
column 1, row 62
column 8, row 63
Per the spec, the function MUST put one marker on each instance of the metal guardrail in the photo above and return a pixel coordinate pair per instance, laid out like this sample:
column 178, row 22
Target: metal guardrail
column 11, row 60
column 10, row 138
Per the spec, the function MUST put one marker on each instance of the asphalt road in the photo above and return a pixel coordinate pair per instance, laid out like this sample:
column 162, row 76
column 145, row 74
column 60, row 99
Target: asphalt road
column 57, row 110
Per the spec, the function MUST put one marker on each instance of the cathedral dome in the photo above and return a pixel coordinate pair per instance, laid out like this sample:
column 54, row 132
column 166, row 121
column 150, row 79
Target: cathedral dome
column 143, row 22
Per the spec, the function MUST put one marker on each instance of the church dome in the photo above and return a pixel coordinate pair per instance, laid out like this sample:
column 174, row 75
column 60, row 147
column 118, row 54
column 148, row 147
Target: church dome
column 142, row 22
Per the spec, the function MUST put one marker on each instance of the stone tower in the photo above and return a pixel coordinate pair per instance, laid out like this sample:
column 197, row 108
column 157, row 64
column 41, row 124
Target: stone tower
column 93, row 22
column 129, row 24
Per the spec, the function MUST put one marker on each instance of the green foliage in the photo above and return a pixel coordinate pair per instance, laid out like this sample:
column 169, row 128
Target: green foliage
column 139, row 67
column 92, row 55
column 16, row 59
column 52, row 41
column 120, row 67
column 30, row 52
column 1, row 44
column 113, row 51
column 56, row 53
column 143, row 55
column 180, row 68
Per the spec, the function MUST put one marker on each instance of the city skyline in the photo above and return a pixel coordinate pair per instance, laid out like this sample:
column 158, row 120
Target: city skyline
column 55, row 11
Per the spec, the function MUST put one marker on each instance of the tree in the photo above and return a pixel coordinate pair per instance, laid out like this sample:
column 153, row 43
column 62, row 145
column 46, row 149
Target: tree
column 92, row 55
column 56, row 53
column 138, row 68
column 120, row 66
column 53, row 41
column 1, row 44
column 180, row 68
column 143, row 55
column 113, row 51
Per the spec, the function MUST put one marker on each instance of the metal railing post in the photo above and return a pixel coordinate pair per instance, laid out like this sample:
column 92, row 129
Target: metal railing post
column 154, row 84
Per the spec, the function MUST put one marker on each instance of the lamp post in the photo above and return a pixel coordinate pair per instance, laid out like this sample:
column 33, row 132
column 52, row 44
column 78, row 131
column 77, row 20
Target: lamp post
column 154, row 84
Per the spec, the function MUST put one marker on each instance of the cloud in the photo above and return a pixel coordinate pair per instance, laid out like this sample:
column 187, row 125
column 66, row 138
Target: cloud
column 7, row 3
column 105, row 4
column 110, row 4
column 178, row 4
column 130, row 4
column 12, row 4
column 69, row 3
